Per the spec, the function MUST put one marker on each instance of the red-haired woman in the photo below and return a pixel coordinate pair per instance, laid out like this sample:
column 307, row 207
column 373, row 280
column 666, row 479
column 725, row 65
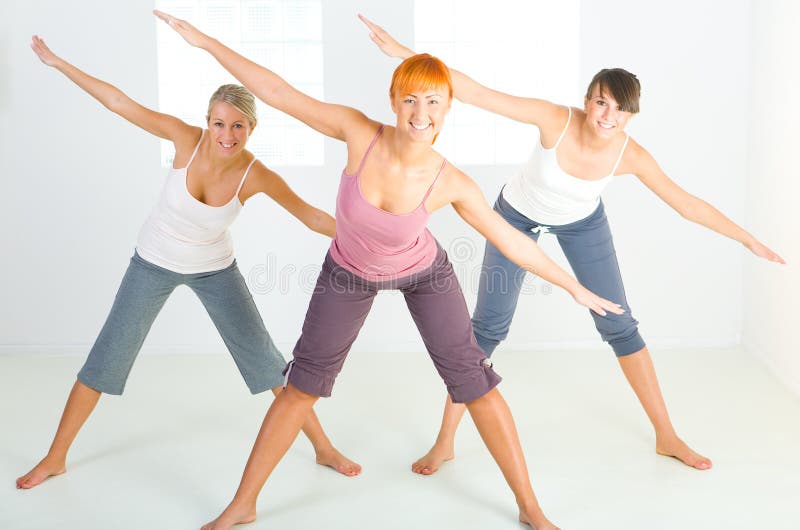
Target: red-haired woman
column 561, row 194
column 393, row 181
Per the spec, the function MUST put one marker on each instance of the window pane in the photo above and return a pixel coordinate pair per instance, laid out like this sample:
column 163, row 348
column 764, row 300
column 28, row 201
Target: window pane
column 526, row 48
column 283, row 35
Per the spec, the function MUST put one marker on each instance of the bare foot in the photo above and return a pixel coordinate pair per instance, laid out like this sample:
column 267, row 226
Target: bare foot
column 536, row 520
column 677, row 448
column 48, row 467
column 336, row 460
column 430, row 463
column 232, row 515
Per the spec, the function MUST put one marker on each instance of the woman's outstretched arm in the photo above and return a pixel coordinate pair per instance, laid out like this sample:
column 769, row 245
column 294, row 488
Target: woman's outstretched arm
column 642, row 164
column 161, row 125
column 271, row 184
column 535, row 111
column 471, row 205
column 336, row 121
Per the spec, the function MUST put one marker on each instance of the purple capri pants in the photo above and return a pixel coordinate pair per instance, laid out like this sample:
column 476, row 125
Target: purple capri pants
column 340, row 304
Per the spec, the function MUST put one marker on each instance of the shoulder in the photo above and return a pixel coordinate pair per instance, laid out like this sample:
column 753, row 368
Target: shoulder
column 455, row 184
column 554, row 119
column 185, row 143
column 636, row 159
column 259, row 172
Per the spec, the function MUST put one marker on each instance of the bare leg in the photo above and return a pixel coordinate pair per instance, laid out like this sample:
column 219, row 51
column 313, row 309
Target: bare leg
column 80, row 404
column 281, row 426
column 493, row 419
column 444, row 447
column 639, row 370
column 327, row 454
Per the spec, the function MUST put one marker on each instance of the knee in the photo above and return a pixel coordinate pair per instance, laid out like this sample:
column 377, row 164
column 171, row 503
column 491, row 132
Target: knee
column 624, row 338
column 487, row 344
column 491, row 328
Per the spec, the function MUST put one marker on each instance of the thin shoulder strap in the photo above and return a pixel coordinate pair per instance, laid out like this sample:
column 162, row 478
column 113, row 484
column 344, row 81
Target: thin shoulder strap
column 569, row 118
column 622, row 152
column 196, row 148
column 371, row 145
column 430, row 189
column 246, row 171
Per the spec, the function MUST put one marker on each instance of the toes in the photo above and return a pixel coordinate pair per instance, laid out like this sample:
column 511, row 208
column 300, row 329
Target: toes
column 703, row 464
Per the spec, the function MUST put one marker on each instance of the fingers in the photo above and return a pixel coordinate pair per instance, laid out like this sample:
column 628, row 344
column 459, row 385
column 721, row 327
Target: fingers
column 371, row 25
column 377, row 40
column 169, row 19
column 611, row 306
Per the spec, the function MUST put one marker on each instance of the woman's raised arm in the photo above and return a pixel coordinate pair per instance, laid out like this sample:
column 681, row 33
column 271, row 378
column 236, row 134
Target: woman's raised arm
column 161, row 125
column 535, row 111
column 336, row 121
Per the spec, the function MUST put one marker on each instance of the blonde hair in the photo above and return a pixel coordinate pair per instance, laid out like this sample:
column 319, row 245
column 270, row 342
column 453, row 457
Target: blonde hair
column 237, row 97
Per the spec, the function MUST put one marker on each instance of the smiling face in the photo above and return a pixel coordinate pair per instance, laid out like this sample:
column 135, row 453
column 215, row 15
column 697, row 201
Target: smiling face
column 420, row 94
column 604, row 115
column 230, row 129
column 421, row 113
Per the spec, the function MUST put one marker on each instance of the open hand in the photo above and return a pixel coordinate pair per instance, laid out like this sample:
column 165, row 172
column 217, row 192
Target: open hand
column 43, row 52
column 191, row 34
column 385, row 42
column 587, row 298
column 763, row 252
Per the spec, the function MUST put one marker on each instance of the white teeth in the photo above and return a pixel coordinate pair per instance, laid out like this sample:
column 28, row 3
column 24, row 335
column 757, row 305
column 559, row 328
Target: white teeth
column 605, row 125
column 420, row 127
column 227, row 146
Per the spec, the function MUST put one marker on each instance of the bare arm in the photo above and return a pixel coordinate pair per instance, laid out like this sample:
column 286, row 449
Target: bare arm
column 161, row 125
column 692, row 208
column 538, row 112
column 270, row 183
column 522, row 250
column 336, row 121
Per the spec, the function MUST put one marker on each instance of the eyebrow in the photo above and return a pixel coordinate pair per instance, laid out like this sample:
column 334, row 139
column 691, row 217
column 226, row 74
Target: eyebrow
column 435, row 94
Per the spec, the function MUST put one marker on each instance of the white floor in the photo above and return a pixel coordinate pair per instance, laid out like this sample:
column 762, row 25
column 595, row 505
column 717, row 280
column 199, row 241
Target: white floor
column 168, row 455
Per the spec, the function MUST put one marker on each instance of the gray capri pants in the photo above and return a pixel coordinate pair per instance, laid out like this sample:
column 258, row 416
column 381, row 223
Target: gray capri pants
column 141, row 295
column 340, row 304
column 589, row 248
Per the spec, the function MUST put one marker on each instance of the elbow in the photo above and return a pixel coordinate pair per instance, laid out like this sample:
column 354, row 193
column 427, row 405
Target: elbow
column 691, row 210
column 115, row 103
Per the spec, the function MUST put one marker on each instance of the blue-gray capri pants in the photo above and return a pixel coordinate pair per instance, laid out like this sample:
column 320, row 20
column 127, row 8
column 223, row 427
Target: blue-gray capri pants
column 589, row 248
column 141, row 295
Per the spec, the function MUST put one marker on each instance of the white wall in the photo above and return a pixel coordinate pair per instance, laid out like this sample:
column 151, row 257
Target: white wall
column 80, row 181
column 770, row 292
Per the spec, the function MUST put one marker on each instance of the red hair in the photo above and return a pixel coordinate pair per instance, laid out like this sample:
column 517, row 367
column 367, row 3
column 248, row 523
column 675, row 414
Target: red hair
column 421, row 72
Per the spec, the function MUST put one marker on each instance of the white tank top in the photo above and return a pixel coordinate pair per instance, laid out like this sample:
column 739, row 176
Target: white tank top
column 545, row 193
column 185, row 235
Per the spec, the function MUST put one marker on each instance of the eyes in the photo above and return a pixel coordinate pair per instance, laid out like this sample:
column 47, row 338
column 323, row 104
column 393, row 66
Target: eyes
column 603, row 103
column 411, row 101
column 219, row 125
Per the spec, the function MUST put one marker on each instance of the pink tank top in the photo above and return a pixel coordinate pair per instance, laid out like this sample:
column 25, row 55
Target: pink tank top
column 375, row 244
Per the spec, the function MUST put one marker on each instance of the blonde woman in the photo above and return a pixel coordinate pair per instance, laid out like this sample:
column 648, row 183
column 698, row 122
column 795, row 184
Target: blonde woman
column 186, row 241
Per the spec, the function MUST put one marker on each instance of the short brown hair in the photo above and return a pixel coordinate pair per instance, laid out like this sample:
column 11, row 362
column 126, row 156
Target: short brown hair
column 620, row 84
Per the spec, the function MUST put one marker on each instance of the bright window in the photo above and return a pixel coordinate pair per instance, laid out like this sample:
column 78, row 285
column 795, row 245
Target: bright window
column 527, row 48
column 284, row 35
